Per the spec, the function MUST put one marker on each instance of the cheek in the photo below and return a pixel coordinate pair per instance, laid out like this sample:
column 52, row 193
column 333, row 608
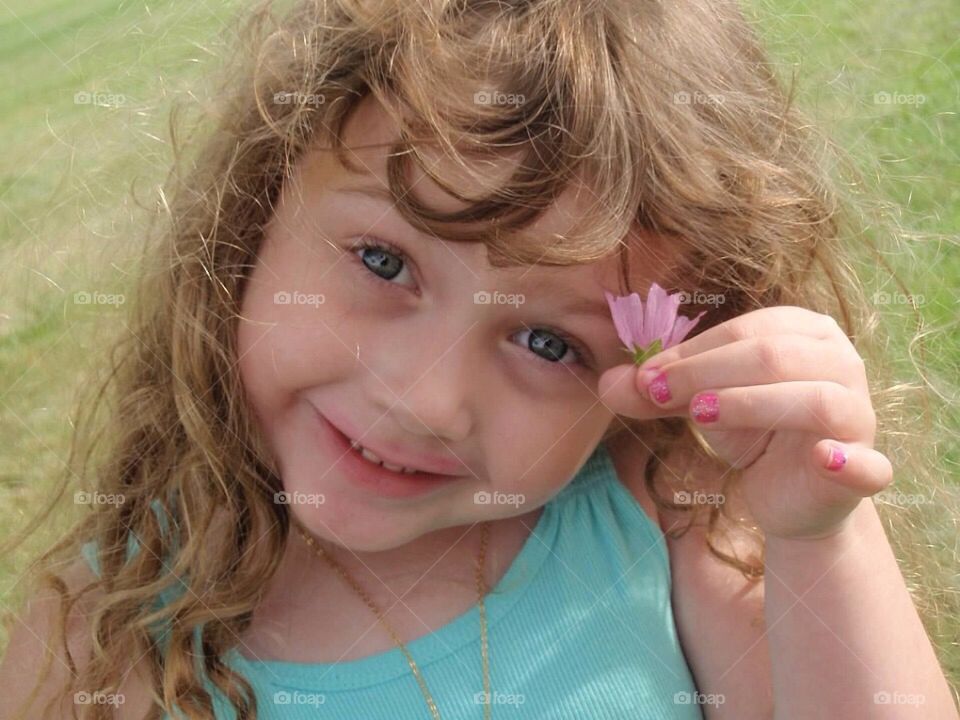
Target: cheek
column 538, row 448
column 293, row 332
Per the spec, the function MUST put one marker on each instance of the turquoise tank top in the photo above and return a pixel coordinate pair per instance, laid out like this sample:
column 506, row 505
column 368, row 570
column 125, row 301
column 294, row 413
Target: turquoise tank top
column 580, row 626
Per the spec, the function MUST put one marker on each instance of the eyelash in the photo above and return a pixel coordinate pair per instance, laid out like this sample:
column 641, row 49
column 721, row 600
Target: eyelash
column 580, row 352
column 377, row 244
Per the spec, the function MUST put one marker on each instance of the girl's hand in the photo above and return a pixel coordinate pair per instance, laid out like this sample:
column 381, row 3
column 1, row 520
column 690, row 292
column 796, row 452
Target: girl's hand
column 777, row 392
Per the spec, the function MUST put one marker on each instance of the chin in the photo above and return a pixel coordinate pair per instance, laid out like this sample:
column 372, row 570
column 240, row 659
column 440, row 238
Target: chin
column 361, row 531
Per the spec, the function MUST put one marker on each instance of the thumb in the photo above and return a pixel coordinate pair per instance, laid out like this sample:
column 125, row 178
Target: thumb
column 861, row 470
column 619, row 390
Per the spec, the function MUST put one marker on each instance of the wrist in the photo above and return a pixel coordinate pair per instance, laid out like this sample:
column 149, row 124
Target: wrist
column 830, row 542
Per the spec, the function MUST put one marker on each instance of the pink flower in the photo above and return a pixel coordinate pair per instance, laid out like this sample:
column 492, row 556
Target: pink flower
column 651, row 328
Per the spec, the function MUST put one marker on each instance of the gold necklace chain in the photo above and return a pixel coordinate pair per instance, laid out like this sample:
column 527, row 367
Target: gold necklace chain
column 481, row 591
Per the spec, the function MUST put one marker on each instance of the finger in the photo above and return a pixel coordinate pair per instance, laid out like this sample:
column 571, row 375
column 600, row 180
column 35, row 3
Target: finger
column 765, row 321
column 755, row 361
column 862, row 470
column 822, row 408
column 619, row 391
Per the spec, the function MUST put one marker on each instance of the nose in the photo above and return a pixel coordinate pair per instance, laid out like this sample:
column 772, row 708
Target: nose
column 424, row 384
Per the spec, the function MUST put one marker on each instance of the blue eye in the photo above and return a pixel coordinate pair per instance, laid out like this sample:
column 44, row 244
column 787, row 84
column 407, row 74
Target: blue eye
column 552, row 346
column 382, row 259
column 386, row 261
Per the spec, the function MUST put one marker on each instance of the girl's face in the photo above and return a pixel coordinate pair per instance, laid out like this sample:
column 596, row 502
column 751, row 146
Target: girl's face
column 400, row 349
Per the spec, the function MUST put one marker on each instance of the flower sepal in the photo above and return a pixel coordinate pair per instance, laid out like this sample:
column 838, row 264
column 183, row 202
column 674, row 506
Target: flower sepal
column 641, row 355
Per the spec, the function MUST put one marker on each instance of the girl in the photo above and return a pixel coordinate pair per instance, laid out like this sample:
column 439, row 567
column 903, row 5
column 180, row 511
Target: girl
column 376, row 452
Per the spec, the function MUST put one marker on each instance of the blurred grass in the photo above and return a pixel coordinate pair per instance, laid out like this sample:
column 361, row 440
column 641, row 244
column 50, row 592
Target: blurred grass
column 67, row 220
column 883, row 81
column 68, row 168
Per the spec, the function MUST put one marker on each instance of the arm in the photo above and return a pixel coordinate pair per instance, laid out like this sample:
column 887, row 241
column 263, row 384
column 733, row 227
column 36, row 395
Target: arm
column 843, row 631
column 782, row 394
column 718, row 613
column 719, row 617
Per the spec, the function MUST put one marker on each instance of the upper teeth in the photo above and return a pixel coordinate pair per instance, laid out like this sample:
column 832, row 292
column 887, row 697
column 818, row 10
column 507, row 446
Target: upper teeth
column 372, row 457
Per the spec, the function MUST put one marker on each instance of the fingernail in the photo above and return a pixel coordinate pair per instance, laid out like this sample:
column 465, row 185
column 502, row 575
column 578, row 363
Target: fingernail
column 705, row 407
column 658, row 390
column 837, row 459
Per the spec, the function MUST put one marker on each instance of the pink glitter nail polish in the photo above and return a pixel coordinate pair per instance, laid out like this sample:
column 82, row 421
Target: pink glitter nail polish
column 658, row 389
column 705, row 407
column 838, row 458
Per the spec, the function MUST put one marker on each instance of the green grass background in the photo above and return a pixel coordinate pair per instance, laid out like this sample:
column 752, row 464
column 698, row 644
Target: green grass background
column 67, row 171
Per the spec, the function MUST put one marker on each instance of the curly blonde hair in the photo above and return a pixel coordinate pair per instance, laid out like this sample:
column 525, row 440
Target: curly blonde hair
column 672, row 112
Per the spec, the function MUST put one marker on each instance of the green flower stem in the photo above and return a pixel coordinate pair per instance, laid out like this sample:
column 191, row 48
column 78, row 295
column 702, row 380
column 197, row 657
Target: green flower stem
column 640, row 355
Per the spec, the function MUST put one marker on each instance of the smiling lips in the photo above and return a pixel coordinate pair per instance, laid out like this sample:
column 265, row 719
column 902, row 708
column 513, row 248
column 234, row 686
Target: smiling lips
column 393, row 460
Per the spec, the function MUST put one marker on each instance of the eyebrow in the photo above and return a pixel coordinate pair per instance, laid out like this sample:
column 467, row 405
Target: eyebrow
column 373, row 191
column 589, row 306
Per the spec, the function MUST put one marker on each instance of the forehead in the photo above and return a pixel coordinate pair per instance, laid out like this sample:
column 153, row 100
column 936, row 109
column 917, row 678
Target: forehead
column 368, row 136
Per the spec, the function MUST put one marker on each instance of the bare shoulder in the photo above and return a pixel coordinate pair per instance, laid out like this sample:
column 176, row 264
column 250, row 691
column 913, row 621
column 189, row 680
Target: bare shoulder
column 34, row 641
column 717, row 611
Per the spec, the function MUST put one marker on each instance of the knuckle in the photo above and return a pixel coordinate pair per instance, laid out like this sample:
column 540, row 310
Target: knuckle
column 832, row 327
column 799, row 314
column 854, row 361
column 772, row 357
column 858, row 366
column 850, row 364
column 870, row 420
column 830, row 407
column 738, row 331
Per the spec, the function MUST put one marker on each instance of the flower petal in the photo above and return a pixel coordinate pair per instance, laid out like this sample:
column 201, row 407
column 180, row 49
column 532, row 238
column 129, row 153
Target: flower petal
column 651, row 320
column 621, row 317
column 641, row 323
column 635, row 318
column 681, row 329
column 661, row 313
column 670, row 314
